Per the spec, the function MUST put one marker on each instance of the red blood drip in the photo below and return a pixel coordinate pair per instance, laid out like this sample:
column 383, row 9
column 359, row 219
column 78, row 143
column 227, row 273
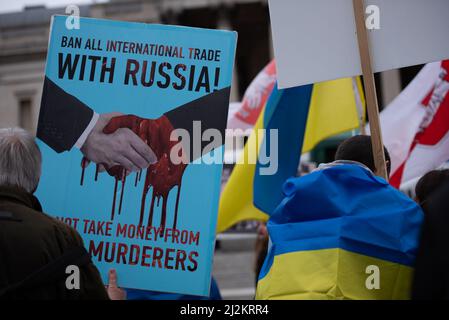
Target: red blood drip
column 83, row 166
column 137, row 178
column 113, row 199
column 121, row 194
column 150, row 216
column 97, row 168
column 175, row 221
column 163, row 175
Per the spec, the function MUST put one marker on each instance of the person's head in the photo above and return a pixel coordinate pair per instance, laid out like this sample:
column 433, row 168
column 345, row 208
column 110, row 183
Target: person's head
column 359, row 148
column 430, row 182
column 20, row 159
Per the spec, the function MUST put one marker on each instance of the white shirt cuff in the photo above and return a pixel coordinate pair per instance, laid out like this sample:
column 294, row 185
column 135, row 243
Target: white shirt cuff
column 79, row 143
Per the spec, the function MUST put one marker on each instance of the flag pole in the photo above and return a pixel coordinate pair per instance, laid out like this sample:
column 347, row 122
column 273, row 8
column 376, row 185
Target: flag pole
column 370, row 89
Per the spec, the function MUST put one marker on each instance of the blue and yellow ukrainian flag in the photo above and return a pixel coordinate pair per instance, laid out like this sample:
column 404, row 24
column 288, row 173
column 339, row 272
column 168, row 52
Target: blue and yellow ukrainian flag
column 304, row 116
column 332, row 229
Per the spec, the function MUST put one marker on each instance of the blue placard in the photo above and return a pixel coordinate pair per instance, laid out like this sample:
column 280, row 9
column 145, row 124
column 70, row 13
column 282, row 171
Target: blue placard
column 150, row 72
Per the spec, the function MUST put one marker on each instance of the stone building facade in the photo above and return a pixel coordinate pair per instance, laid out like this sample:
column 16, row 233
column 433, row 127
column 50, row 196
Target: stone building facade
column 24, row 39
column 24, row 36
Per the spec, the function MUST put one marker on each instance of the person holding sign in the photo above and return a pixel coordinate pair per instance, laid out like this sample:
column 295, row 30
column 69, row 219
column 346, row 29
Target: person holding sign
column 42, row 258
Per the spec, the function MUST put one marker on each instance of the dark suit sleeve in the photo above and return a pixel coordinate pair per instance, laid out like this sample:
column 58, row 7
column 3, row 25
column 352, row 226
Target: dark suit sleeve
column 62, row 118
column 211, row 110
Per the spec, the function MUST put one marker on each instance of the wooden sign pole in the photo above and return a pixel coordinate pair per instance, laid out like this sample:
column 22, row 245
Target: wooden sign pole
column 370, row 89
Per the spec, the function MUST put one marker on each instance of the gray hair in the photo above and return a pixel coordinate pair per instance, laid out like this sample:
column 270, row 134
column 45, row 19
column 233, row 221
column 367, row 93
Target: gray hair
column 20, row 159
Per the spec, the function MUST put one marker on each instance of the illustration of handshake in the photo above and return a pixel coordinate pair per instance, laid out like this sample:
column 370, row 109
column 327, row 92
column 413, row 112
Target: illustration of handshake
column 112, row 143
column 127, row 142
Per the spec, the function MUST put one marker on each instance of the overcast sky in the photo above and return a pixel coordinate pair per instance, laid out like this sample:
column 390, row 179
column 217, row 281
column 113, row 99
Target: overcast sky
column 17, row 5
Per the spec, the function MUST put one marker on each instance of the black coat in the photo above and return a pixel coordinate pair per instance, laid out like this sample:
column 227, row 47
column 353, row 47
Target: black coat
column 29, row 241
column 431, row 279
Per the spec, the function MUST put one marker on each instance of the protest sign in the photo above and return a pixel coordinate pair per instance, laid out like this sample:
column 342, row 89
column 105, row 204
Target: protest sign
column 319, row 40
column 315, row 40
column 156, row 226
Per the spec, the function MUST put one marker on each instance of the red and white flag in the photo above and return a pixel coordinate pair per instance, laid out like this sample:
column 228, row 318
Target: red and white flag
column 415, row 126
column 245, row 115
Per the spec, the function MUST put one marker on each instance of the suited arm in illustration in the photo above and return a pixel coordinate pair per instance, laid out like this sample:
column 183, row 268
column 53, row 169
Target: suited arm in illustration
column 65, row 122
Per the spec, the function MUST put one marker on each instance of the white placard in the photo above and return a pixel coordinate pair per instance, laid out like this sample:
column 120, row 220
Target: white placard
column 316, row 40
